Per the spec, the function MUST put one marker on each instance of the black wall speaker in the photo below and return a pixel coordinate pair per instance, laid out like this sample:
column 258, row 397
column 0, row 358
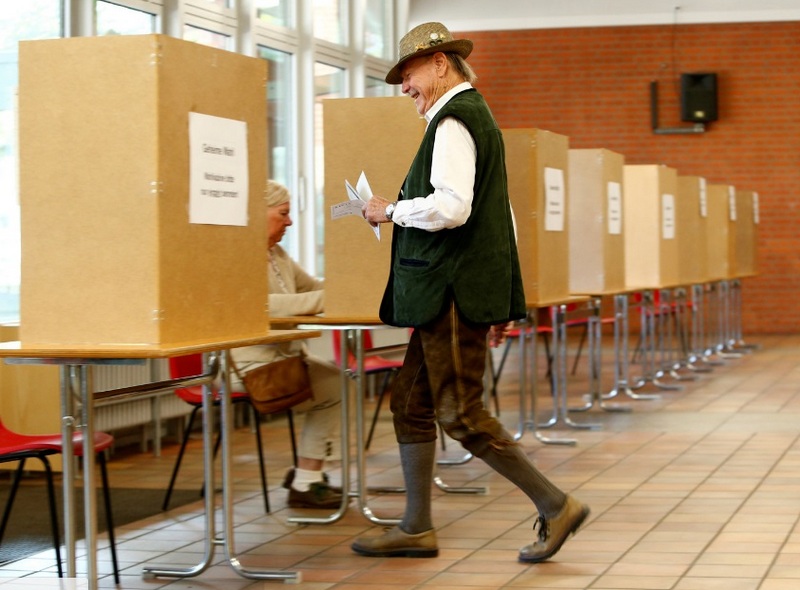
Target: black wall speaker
column 698, row 98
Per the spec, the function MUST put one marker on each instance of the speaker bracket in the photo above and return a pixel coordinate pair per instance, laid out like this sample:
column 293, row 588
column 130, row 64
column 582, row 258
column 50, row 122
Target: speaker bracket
column 696, row 128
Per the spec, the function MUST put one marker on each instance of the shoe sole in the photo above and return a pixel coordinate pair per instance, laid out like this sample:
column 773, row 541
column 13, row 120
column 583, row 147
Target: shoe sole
column 402, row 552
column 578, row 523
column 320, row 506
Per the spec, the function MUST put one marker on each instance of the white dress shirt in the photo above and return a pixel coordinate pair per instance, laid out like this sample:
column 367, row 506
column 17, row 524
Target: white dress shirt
column 452, row 176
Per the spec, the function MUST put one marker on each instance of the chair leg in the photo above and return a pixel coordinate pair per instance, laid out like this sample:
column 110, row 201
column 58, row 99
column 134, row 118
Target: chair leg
column 292, row 436
column 51, row 499
column 378, row 402
column 187, row 431
column 580, row 348
column 263, row 470
column 12, row 494
column 101, row 461
column 550, row 375
column 51, row 495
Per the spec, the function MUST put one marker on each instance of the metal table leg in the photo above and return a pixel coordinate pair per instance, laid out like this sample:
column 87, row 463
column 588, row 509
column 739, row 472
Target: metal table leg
column 528, row 388
column 622, row 383
column 594, row 352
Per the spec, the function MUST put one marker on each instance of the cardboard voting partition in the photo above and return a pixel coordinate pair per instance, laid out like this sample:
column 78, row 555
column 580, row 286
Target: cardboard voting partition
column 692, row 221
column 596, row 231
column 744, row 235
column 379, row 137
column 718, row 196
column 142, row 171
column 651, row 247
column 537, row 164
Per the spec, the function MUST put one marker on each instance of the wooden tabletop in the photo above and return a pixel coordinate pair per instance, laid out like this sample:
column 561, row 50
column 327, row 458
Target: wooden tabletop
column 145, row 351
column 323, row 320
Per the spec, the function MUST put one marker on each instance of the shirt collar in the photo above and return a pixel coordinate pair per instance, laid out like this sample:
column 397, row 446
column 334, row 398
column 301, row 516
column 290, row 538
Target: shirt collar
column 444, row 99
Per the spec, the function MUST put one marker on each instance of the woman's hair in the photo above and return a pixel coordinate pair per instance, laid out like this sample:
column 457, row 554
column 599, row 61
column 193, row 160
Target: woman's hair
column 277, row 194
column 462, row 67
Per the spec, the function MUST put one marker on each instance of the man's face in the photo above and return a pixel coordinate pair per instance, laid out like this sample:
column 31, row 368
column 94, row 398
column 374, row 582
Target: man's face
column 420, row 81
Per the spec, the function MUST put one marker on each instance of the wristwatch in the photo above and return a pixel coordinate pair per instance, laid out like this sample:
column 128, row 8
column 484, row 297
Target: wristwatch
column 390, row 210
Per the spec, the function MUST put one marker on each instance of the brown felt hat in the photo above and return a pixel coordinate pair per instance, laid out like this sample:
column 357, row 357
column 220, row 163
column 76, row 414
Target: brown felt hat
column 423, row 40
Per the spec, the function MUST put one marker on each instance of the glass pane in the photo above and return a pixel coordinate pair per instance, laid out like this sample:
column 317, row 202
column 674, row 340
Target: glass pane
column 329, row 82
column 222, row 3
column 274, row 12
column 377, row 27
column 206, row 37
column 329, row 18
column 113, row 19
column 33, row 19
column 280, row 115
column 378, row 87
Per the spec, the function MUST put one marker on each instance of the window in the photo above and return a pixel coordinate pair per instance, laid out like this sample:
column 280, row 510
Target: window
column 377, row 30
column 377, row 87
column 221, row 3
column 206, row 37
column 113, row 19
column 34, row 19
column 329, row 82
column 281, row 129
column 275, row 12
column 330, row 17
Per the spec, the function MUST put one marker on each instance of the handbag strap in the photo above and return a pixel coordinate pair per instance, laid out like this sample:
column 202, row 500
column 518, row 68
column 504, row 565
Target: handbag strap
column 232, row 365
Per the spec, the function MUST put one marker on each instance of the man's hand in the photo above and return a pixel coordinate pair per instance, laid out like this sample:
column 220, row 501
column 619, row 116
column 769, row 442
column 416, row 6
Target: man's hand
column 374, row 210
column 499, row 333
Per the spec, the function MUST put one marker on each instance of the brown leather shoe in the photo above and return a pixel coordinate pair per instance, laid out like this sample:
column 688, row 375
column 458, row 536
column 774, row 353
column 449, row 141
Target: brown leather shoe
column 554, row 531
column 319, row 495
column 397, row 543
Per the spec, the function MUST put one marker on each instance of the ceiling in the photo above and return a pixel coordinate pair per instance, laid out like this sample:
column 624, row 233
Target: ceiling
column 486, row 15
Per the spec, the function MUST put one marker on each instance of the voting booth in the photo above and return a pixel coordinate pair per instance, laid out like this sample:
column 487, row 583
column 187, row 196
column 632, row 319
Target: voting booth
column 743, row 236
column 651, row 247
column 143, row 164
column 537, row 164
column 378, row 137
column 719, row 198
column 692, row 223
column 596, row 231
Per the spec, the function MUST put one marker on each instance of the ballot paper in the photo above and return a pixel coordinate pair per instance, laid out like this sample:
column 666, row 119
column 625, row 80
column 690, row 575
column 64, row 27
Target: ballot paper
column 356, row 197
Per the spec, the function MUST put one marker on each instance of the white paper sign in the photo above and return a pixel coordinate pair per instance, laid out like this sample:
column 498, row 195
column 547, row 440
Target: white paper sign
column 614, row 192
column 668, row 216
column 703, row 199
column 218, row 174
column 755, row 208
column 731, row 203
column 553, row 199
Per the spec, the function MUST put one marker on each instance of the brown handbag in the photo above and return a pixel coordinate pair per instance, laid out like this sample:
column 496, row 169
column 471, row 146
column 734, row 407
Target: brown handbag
column 277, row 386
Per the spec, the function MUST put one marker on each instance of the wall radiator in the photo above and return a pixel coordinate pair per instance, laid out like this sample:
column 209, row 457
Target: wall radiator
column 146, row 411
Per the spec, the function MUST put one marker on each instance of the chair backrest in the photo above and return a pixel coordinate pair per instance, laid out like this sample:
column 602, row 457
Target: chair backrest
column 337, row 346
column 187, row 366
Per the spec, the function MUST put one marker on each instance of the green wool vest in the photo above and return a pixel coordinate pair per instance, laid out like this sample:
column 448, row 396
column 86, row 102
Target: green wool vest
column 476, row 265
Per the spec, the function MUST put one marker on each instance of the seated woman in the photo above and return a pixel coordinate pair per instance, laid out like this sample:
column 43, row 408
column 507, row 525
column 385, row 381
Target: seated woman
column 294, row 292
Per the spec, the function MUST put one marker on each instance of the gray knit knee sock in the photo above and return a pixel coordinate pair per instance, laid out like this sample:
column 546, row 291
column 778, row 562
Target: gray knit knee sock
column 417, row 463
column 513, row 464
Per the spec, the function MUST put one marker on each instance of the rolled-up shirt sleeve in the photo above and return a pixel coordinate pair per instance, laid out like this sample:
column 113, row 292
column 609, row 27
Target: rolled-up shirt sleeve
column 453, row 180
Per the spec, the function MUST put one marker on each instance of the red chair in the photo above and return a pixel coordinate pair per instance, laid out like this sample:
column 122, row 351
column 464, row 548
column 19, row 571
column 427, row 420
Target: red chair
column 21, row 447
column 190, row 365
column 374, row 364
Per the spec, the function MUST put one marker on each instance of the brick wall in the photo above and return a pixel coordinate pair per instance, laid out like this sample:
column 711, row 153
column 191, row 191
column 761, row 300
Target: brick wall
column 592, row 84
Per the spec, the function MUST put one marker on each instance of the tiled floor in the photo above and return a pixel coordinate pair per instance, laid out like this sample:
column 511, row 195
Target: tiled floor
column 698, row 490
